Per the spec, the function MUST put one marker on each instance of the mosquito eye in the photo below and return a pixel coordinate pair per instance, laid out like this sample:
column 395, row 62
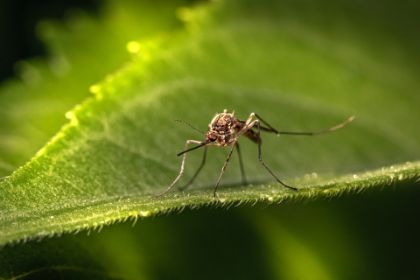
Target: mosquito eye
column 211, row 137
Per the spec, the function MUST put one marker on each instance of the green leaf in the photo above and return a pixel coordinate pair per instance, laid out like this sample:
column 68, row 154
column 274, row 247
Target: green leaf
column 119, row 148
column 321, row 239
column 34, row 106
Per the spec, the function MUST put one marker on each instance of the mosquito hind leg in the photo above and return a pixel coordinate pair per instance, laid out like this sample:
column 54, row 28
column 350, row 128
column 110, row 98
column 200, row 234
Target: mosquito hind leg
column 268, row 128
column 257, row 123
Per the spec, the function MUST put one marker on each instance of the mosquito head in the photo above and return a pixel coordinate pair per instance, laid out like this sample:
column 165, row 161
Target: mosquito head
column 223, row 128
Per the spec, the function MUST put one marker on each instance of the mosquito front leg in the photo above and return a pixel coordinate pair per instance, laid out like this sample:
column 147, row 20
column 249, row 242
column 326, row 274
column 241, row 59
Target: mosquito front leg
column 181, row 171
column 203, row 161
column 223, row 170
column 257, row 124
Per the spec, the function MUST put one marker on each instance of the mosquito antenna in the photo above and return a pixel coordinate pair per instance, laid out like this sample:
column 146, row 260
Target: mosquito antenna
column 190, row 125
column 193, row 148
column 310, row 133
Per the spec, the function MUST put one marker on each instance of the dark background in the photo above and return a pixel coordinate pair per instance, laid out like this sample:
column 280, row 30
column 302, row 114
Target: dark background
column 18, row 19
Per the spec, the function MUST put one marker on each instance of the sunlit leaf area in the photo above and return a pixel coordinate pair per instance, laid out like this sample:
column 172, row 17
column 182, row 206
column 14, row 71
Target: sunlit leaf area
column 90, row 129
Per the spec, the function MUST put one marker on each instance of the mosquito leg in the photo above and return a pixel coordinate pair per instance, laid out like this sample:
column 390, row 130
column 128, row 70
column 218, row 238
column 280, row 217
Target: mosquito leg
column 336, row 127
column 257, row 123
column 223, row 171
column 181, row 171
column 203, row 161
column 241, row 164
column 270, row 128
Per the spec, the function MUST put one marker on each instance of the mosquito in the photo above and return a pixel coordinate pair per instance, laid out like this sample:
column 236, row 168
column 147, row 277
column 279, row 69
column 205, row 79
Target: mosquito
column 225, row 130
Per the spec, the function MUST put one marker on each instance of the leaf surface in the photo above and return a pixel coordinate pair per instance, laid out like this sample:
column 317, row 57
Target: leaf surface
column 119, row 147
column 34, row 104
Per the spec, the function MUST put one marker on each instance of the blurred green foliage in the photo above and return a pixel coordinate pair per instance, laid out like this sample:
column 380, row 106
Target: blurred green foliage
column 82, row 51
column 302, row 64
